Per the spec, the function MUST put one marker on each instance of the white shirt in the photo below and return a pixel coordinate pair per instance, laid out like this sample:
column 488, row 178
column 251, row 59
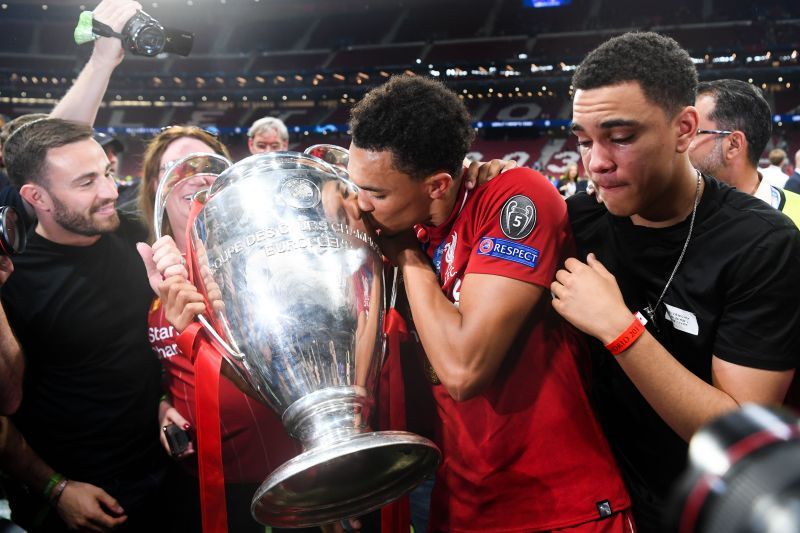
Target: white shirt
column 765, row 191
column 774, row 175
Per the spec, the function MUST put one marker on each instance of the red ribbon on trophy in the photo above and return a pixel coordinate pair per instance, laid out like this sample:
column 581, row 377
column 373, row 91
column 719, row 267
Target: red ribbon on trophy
column 194, row 344
column 396, row 516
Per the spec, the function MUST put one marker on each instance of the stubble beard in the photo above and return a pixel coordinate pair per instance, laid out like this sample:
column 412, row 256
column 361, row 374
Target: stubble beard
column 82, row 224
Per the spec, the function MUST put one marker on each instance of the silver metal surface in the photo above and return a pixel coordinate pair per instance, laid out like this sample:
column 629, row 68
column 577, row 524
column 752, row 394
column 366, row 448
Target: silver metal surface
column 334, row 155
column 301, row 280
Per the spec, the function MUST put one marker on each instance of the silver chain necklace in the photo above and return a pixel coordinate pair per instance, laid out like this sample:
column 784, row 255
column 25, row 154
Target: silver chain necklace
column 650, row 311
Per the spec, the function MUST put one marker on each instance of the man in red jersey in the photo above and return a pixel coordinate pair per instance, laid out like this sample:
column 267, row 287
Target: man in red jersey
column 522, row 448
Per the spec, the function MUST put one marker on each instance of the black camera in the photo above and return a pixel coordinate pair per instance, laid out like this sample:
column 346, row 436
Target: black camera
column 145, row 36
column 744, row 476
column 13, row 236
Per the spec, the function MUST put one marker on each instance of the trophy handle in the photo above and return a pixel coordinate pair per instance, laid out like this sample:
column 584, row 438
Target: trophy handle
column 227, row 350
column 334, row 155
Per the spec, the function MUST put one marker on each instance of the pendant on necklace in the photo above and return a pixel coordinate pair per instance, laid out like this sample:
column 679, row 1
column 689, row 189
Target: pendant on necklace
column 651, row 316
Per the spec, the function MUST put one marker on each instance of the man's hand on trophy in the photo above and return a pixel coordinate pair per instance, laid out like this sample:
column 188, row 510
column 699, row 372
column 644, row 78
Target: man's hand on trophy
column 476, row 173
column 115, row 14
column 85, row 507
column 396, row 247
column 162, row 260
column 181, row 300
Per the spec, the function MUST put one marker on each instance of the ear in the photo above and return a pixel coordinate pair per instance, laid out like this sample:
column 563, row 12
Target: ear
column 438, row 184
column 686, row 127
column 250, row 143
column 737, row 145
column 36, row 196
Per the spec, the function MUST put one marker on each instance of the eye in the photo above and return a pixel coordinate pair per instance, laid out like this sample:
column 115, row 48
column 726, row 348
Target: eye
column 622, row 140
column 584, row 143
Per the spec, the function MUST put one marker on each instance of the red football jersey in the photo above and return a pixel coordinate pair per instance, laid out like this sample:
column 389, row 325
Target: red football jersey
column 254, row 441
column 528, row 453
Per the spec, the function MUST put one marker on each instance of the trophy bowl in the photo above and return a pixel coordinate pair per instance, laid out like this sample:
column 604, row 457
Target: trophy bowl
column 280, row 235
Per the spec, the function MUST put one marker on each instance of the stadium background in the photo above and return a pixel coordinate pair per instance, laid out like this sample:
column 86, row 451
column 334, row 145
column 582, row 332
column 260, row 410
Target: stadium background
column 308, row 61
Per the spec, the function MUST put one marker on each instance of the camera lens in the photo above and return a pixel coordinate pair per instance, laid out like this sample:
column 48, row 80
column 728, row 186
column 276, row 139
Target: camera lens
column 150, row 40
column 143, row 35
column 743, row 476
column 12, row 232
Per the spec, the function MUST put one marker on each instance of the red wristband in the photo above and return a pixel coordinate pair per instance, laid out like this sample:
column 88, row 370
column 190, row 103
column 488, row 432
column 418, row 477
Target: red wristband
column 629, row 336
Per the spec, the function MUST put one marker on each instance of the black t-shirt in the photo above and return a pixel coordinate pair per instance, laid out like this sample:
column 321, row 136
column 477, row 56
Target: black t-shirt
column 91, row 389
column 735, row 296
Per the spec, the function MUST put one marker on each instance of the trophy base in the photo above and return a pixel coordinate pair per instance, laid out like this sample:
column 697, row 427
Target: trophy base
column 344, row 479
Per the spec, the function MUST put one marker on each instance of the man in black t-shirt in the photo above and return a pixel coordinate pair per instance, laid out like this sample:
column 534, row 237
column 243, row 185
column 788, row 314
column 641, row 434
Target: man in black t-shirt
column 78, row 302
column 712, row 269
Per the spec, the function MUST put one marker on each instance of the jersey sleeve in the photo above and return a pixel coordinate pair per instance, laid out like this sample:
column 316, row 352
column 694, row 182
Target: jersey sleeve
column 758, row 326
column 521, row 229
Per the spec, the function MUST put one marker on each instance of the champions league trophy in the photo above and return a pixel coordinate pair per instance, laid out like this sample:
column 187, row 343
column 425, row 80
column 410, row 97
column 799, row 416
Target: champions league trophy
column 302, row 285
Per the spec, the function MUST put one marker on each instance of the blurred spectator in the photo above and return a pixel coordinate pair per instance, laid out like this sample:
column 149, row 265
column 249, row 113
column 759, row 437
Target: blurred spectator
column 568, row 183
column 126, row 187
column 734, row 126
column 267, row 134
column 774, row 173
column 793, row 183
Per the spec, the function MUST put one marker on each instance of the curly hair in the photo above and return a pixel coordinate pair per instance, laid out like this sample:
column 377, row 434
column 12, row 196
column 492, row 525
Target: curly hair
column 151, row 171
column 739, row 105
column 662, row 68
column 423, row 124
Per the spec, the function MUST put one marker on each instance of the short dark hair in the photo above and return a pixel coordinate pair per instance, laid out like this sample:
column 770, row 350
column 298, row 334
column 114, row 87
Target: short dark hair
column 739, row 105
column 423, row 124
column 25, row 151
column 662, row 68
column 13, row 125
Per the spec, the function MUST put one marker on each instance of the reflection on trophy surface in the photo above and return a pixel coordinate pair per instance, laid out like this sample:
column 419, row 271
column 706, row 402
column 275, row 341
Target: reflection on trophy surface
column 301, row 282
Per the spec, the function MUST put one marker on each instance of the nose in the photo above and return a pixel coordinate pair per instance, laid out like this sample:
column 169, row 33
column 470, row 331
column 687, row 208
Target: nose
column 598, row 160
column 364, row 204
column 108, row 188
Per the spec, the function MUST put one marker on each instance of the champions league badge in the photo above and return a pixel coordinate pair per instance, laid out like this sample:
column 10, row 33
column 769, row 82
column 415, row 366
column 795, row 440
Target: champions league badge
column 518, row 217
column 300, row 193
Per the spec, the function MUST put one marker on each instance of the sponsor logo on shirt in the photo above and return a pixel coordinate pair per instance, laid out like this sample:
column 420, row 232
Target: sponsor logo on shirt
column 509, row 250
column 160, row 338
column 518, row 217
